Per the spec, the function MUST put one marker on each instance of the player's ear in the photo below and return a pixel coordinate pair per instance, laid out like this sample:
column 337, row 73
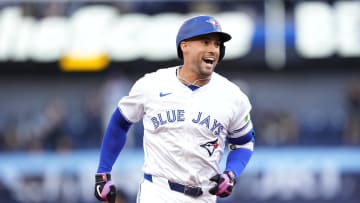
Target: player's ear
column 183, row 46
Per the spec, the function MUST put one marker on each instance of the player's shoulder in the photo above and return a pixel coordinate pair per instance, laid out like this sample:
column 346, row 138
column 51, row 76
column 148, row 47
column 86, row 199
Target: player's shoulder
column 228, row 89
column 224, row 83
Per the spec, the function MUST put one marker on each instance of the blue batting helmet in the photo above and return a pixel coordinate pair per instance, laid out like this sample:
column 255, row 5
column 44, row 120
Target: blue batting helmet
column 201, row 25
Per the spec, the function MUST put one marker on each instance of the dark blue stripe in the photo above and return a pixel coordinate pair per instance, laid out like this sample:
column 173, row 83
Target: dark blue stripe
column 148, row 177
column 193, row 87
column 242, row 128
column 243, row 139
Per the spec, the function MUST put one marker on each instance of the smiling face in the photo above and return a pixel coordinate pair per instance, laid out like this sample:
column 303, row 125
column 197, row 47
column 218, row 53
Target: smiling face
column 201, row 54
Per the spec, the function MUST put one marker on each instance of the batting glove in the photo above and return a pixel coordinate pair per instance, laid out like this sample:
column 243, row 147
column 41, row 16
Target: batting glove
column 224, row 184
column 104, row 188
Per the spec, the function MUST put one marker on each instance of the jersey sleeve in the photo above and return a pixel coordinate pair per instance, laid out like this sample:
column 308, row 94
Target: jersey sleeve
column 241, row 132
column 132, row 105
column 240, row 136
column 241, row 115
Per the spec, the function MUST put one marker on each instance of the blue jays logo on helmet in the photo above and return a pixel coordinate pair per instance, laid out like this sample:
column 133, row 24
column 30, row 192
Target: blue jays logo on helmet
column 201, row 25
column 215, row 24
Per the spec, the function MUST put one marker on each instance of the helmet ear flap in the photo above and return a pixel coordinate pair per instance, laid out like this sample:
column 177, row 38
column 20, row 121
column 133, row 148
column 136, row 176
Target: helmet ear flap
column 222, row 51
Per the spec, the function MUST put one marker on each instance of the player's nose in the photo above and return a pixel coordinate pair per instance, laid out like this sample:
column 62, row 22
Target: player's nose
column 213, row 51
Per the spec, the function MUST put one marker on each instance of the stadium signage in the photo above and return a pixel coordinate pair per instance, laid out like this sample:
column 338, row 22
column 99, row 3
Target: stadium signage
column 99, row 32
column 95, row 31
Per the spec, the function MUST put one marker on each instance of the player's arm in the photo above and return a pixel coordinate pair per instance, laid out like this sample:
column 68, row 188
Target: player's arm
column 241, row 146
column 240, row 138
column 240, row 150
column 113, row 141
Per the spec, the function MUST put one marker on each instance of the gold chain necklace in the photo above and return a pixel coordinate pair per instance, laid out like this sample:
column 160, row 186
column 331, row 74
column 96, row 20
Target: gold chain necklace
column 187, row 82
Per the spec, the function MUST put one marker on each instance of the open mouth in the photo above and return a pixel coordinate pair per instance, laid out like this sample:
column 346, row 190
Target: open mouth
column 208, row 60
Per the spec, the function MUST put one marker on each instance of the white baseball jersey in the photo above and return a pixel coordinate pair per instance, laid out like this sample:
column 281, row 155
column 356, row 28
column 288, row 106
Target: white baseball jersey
column 184, row 130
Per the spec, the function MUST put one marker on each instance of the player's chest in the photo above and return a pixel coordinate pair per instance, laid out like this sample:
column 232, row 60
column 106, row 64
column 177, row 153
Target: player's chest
column 201, row 108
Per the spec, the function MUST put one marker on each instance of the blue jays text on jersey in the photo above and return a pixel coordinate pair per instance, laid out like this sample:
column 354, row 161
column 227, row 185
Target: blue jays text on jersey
column 178, row 115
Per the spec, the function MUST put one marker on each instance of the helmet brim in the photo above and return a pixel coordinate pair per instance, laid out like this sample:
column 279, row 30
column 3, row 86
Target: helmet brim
column 223, row 36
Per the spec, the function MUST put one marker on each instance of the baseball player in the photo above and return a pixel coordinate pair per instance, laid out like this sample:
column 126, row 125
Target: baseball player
column 190, row 113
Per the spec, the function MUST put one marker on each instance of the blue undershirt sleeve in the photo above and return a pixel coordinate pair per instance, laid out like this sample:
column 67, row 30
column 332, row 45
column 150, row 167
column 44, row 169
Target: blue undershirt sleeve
column 113, row 141
column 237, row 160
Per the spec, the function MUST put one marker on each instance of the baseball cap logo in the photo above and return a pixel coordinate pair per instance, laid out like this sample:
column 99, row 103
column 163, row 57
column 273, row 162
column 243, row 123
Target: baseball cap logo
column 214, row 23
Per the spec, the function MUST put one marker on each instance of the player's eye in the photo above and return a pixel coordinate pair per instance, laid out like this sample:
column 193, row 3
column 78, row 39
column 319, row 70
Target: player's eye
column 206, row 42
column 217, row 43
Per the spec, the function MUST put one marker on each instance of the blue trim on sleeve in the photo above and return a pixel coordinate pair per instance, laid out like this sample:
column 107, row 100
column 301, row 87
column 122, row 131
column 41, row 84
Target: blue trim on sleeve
column 242, row 128
column 113, row 141
column 237, row 160
column 249, row 136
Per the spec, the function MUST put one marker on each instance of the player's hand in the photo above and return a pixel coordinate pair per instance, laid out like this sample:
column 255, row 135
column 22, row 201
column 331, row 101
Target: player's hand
column 104, row 189
column 224, row 184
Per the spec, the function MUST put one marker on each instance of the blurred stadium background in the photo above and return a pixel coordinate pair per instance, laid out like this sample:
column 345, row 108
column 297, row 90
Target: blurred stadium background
column 65, row 64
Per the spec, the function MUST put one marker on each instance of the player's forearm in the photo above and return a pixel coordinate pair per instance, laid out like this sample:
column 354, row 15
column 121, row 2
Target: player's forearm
column 241, row 149
column 113, row 141
column 237, row 160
